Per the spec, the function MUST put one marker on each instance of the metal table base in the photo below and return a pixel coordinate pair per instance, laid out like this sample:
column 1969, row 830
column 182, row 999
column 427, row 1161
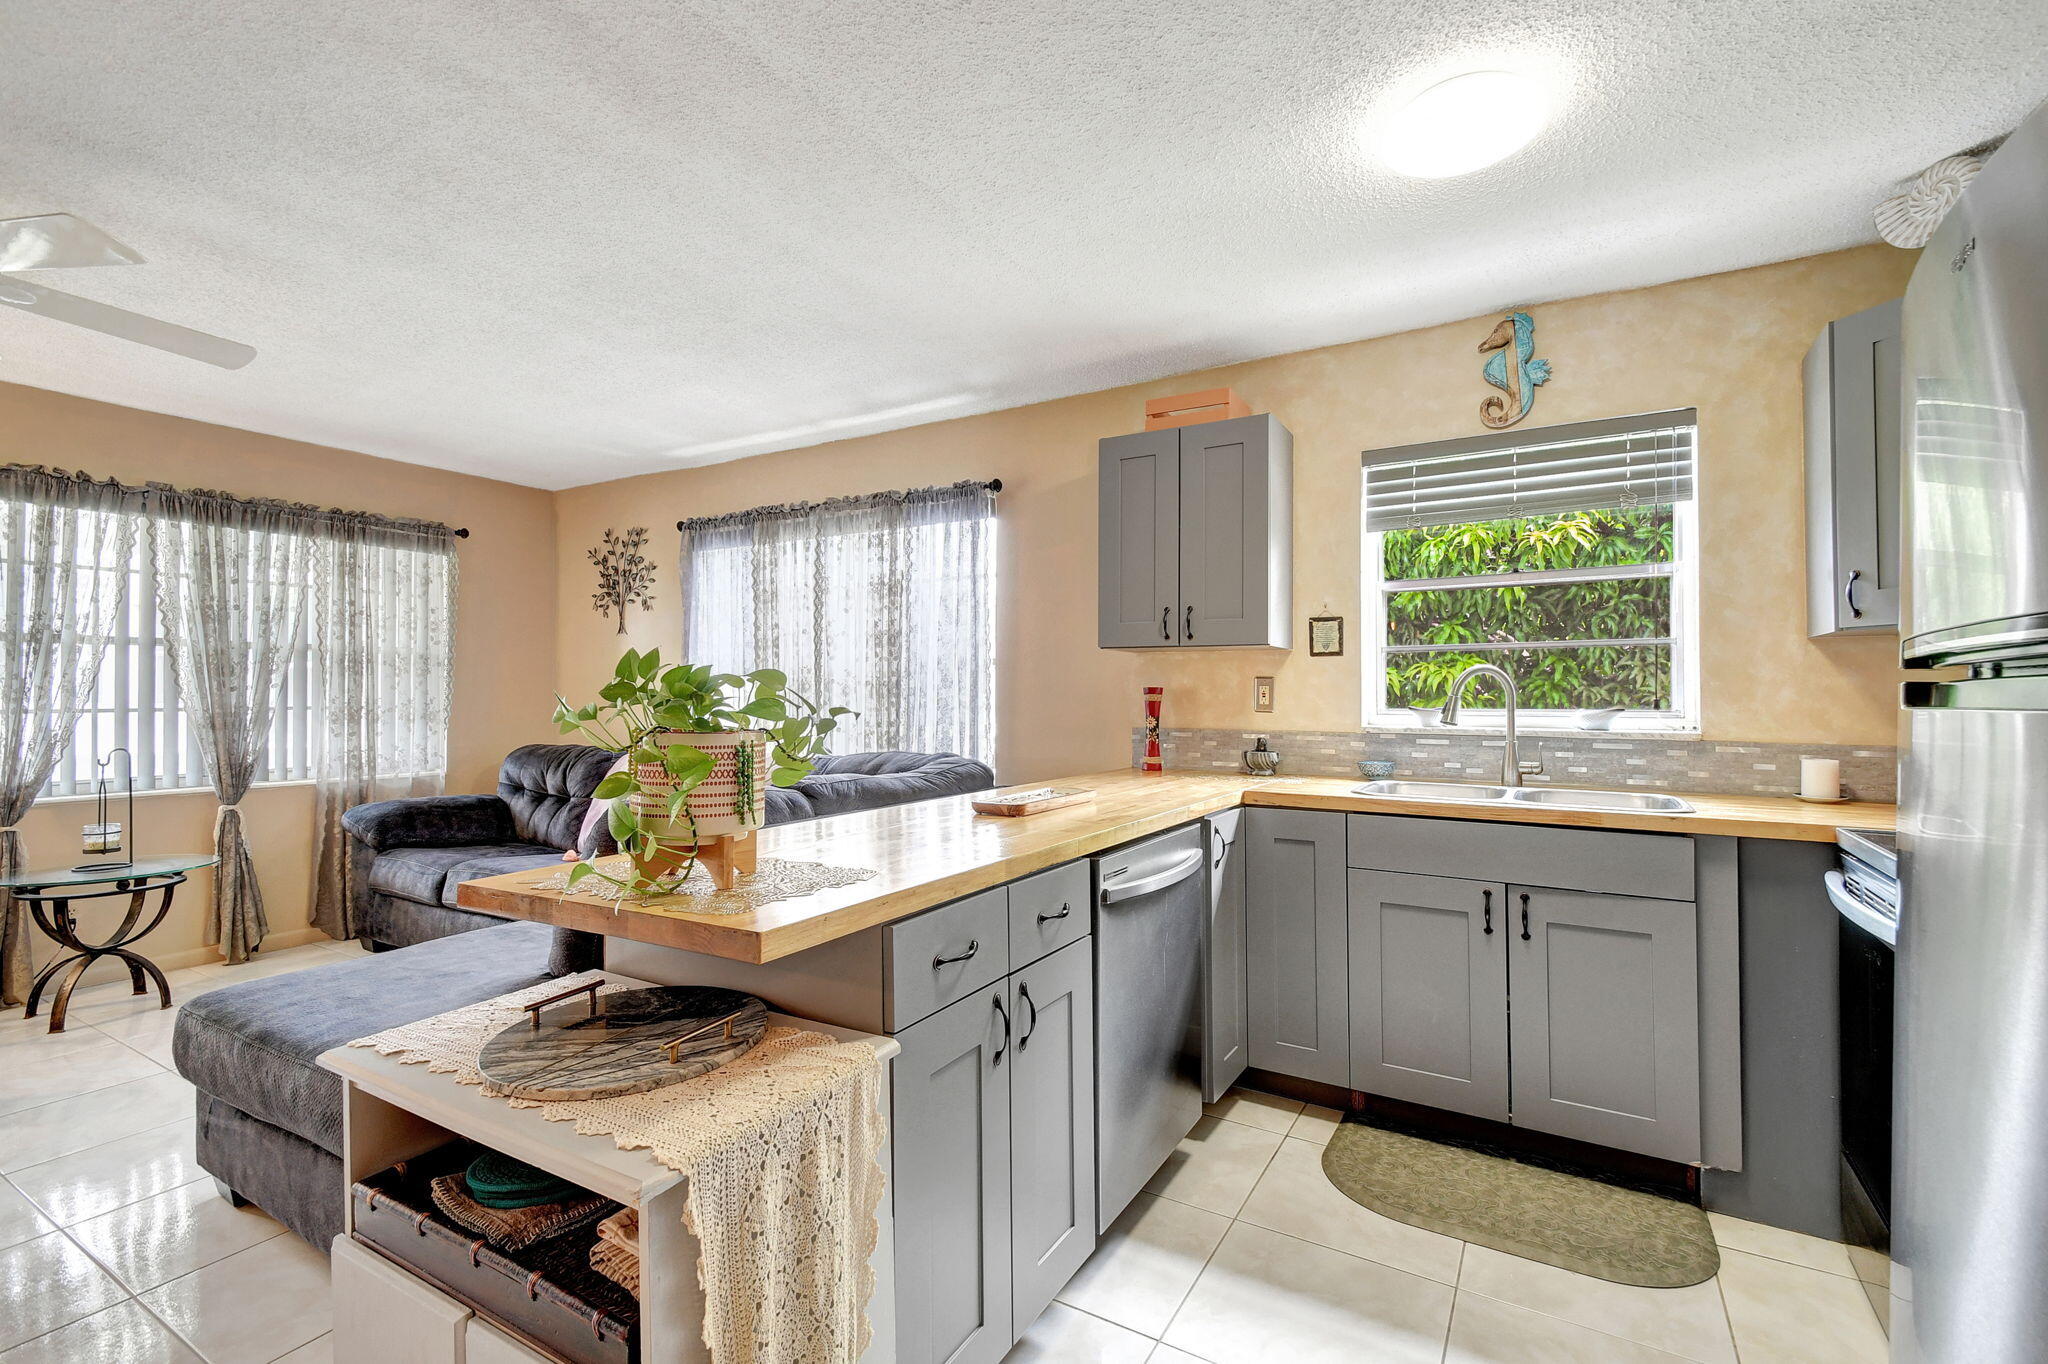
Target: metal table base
column 53, row 914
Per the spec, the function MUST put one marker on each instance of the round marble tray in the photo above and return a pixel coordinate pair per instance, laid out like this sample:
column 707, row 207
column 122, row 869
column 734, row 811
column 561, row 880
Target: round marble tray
column 625, row 1046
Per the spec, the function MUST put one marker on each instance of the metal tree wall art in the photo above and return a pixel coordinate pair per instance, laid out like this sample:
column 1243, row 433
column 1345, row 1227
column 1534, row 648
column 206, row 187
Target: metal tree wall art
column 1513, row 369
column 624, row 576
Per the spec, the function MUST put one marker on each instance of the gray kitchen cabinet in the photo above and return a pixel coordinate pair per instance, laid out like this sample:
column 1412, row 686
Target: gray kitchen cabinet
column 1429, row 991
column 1196, row 531
column 1052, row 1128
column 953, row 1230
column 1296, row 989
column 1139, row 583
column 1226, row 1049
column 1605, row 1024
column 1852, row 474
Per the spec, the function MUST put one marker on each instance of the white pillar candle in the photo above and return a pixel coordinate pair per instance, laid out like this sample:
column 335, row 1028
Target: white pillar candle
column 1820, row 778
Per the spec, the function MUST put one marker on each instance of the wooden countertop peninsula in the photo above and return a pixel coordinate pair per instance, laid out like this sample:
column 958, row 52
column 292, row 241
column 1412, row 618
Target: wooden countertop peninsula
column 933, row 851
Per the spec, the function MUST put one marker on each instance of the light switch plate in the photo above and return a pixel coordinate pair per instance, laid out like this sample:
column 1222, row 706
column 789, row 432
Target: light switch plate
column 1262, row 693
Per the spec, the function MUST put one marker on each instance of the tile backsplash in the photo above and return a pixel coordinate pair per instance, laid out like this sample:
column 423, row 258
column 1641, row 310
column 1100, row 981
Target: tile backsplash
column 1653, row 761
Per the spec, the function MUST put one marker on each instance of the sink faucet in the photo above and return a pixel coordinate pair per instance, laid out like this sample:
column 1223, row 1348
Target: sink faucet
column 1510, row 766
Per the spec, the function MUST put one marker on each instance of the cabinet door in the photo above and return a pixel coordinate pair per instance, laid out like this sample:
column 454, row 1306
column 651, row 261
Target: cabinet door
column 1429, row 991
column 1225, row 1049
column 1138, row 567
column 1853, row 472
column 1295, row 963
column 952, row 1156
column 1605, row 1023
column 1052, row 1127
column 1236, row 533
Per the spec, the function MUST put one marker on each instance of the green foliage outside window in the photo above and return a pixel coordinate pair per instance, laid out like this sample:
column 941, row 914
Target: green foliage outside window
column 1585, row 678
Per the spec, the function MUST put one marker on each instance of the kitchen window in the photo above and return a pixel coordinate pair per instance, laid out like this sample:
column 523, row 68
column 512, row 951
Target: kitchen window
column 1566, row 555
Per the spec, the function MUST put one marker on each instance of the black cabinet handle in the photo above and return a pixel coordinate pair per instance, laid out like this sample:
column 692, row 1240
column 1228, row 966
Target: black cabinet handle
column 1189, row 627
column 1165, row 630
column 1525, row 916
column 973, row 946
column 1004, row 1045
column 1849, row 594
column 1065, row 910
column 1489, row 912
column 1024, row 993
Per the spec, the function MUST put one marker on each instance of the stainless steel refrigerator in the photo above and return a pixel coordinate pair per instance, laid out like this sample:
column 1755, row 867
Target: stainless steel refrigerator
column 1970, row 1152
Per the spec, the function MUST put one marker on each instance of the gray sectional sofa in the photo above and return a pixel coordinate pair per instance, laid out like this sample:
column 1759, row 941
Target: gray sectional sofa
column 270, row 1118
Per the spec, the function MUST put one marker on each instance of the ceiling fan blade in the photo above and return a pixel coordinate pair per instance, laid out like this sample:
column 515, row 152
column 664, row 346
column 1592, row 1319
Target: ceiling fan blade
column 100, row 317
column 54, row 241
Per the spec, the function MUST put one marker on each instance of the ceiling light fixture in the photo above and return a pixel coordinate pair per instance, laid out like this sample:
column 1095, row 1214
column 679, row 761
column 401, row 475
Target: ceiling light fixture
column 1465, row 123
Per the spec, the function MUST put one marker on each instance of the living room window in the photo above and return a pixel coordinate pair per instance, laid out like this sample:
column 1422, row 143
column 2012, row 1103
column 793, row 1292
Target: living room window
column 1567, row 556
column 885, row 603
column 135, row 705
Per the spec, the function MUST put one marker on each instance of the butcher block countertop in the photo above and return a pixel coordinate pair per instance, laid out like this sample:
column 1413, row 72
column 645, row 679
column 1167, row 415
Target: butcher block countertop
column 933, row 851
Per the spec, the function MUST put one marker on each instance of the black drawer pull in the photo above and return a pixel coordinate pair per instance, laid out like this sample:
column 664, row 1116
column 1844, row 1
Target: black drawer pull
column 1024, row 993
column 1489, row 912
column 973, row 946
column 1004, row 1046
column 1165, row 631
column 1525, row 916
column 1189, row 628
column 1065, row 910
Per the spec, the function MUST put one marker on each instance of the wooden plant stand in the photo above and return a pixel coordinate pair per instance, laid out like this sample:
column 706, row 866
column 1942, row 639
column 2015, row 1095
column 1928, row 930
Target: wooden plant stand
column 726, row 856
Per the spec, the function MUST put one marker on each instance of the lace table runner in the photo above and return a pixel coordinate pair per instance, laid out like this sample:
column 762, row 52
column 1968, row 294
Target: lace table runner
column 780, row 1148
column 775, row 879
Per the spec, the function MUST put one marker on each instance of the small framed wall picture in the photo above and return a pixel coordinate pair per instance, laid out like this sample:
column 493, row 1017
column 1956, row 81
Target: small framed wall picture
column 1325, row 636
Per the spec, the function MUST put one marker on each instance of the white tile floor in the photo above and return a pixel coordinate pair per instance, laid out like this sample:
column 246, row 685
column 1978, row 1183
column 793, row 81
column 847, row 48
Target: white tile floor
column 1240, row 1250
column 114, row 1248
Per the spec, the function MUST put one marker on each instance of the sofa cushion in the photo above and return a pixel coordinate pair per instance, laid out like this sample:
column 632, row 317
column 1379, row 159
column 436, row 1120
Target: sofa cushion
column 496, row 862
column 429, row 822
column 254, row 1044
column 868, row 781
column 548, row 787
column 421, row 874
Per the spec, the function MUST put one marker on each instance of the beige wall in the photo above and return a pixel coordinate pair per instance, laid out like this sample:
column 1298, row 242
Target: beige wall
column 504, row 611
column 1729, row 345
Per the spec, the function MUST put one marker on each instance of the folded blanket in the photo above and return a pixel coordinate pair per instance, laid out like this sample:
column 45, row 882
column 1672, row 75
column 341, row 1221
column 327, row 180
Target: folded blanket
column 618, row 1264
column 516, row 1228
column 622, row 1229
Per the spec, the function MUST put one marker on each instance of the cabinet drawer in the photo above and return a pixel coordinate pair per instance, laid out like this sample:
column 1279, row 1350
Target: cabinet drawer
column 1611, row 862
column 1048, row 911
column 384, row 1313
column 945, row 954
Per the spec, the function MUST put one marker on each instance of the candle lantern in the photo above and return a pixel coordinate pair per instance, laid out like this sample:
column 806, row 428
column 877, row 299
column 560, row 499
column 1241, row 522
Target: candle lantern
column 102, row 839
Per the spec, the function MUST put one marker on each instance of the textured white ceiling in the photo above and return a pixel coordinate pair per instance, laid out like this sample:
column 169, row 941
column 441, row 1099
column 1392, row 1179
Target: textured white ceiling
column 558, row 243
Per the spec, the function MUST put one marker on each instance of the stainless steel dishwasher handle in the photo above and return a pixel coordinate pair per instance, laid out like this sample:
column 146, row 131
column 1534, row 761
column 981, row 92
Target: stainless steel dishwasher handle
column 1182, row 868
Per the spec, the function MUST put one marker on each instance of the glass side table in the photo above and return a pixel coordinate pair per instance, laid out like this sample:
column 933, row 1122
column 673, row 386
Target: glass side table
column 49, row 894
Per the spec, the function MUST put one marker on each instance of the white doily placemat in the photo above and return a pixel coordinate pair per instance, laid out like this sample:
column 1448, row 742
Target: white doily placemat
column 780, row 1148
column 774, row 879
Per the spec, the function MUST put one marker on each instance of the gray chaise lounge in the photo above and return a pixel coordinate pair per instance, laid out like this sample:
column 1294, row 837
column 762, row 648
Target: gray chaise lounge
column 270, row 1119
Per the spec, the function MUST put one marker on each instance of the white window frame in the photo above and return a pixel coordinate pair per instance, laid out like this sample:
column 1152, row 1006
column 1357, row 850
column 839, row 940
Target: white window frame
column 1682, row 718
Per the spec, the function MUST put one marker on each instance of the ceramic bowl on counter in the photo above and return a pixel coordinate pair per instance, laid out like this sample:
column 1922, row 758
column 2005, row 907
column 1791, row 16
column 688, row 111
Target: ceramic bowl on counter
column 1375, row 769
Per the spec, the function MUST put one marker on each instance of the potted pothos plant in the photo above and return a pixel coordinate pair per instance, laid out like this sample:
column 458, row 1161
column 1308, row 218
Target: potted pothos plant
column 702, row 747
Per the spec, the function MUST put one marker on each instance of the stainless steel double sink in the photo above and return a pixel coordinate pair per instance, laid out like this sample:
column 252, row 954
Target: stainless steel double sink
column 1559, row 797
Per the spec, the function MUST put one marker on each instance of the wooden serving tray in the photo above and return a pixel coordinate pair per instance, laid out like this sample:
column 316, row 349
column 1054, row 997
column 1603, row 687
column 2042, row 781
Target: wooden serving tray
column 1031, row 800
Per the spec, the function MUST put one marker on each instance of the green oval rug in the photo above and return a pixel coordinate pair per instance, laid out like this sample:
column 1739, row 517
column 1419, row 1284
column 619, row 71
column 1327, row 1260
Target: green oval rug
column 1544, row 1215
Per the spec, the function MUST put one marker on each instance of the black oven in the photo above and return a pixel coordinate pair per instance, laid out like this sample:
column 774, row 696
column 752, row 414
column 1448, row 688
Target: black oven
column 1865, row 890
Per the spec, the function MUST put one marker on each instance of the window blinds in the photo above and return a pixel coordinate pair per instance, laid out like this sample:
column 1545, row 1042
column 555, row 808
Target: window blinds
column 1590, row 466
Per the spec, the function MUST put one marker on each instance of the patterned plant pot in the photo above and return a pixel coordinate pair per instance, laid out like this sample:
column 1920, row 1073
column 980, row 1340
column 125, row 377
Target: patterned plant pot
column 731, row 800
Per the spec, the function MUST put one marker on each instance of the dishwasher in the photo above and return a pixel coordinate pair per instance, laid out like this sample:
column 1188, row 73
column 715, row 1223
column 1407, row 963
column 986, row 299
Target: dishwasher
column 1150, row 918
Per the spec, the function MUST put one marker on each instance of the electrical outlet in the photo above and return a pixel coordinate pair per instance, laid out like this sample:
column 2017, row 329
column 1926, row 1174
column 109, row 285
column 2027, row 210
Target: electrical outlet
column 1262, row 694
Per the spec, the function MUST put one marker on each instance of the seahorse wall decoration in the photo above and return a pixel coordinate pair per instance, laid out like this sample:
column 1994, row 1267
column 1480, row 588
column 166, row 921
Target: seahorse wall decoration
column 1513, row 369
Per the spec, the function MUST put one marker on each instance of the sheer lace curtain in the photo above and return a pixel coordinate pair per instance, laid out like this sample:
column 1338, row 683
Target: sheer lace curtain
column 65, row 541
column 233, row 579
column 884, row 603
column 383, row 644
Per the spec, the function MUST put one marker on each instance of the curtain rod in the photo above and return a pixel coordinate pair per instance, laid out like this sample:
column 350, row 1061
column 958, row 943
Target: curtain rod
column 994, row 485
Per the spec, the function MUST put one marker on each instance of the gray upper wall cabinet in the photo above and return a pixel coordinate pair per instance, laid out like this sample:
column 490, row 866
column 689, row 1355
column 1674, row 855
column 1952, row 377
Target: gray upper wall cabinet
column 1197, row 537
column 1852, row 475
